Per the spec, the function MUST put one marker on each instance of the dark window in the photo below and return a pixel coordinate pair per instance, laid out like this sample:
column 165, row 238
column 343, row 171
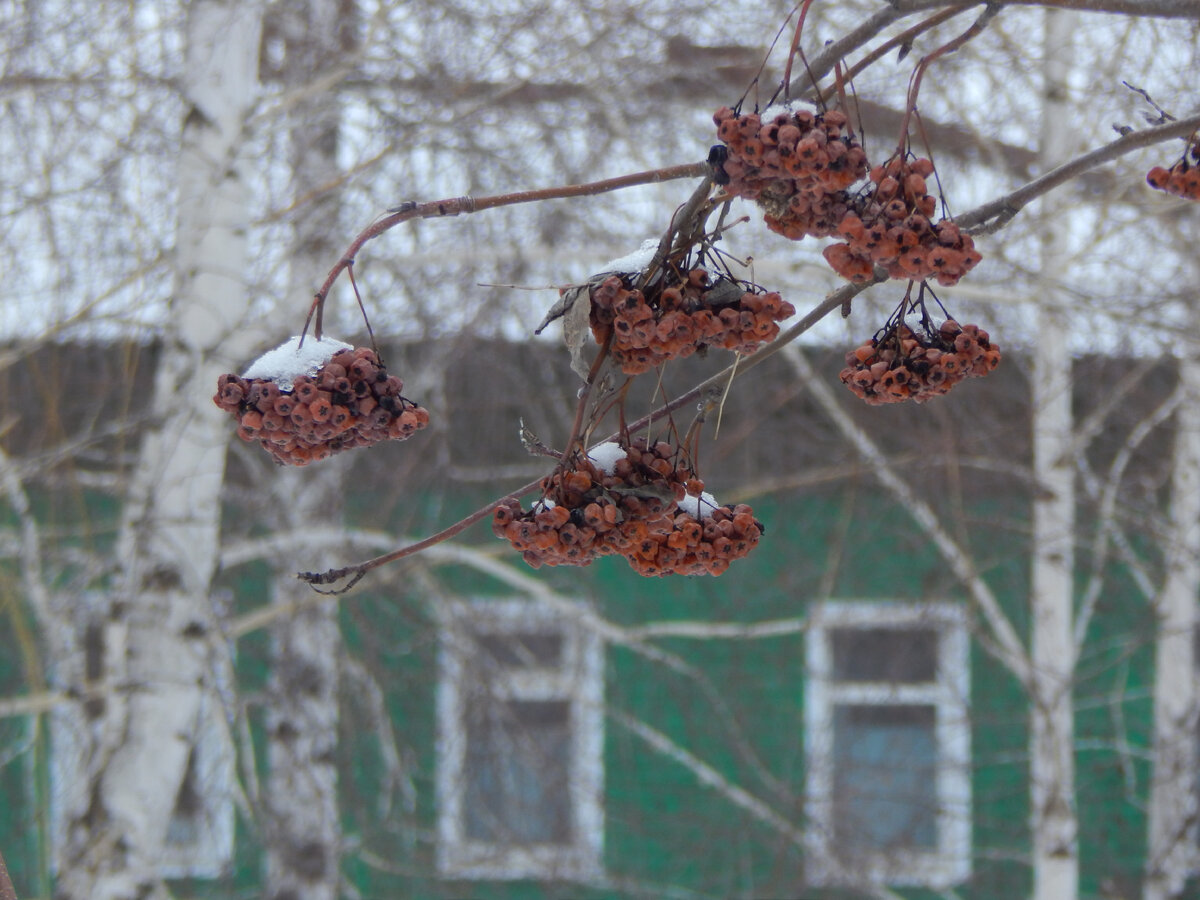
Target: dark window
column 884, row 779
column 523, row 651
column 517, row 787
column 906, row 655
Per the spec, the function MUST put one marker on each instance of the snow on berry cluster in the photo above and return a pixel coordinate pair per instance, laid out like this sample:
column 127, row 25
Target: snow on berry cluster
column 915, row 365
column 1182, row 179
column 796, row 164
column 677, row 315
column 634, row 500
column 302, row 408
column 892, row 227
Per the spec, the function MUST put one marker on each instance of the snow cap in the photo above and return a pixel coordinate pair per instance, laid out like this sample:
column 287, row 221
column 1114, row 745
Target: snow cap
column 289, row 360
column 632, row 262
column 605, row 456
column 698, row 507
column 778, row 109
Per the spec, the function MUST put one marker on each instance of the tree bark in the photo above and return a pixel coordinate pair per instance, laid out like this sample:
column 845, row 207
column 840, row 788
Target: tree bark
column 156, row 639
column 1054, row 823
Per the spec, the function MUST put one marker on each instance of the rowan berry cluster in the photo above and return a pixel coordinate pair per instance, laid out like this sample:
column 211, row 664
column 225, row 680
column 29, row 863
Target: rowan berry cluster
column 680, row 314
column 799, row 167
column 891, row 226
column 633, row 500
column 796, row 164
column 1182, row 179
column 904, row 364
column 698, row 543
column 350, row 401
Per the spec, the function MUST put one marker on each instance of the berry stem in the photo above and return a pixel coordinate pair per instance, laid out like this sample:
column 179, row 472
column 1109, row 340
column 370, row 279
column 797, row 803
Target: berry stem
column 584, row 396
column 903, row 39
column 466, row 205
column 946, row 49
column 794, row 50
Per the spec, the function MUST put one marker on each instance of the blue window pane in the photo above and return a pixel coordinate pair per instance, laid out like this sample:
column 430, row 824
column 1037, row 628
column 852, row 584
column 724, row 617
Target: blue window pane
column 884, row 778
column 516, row 788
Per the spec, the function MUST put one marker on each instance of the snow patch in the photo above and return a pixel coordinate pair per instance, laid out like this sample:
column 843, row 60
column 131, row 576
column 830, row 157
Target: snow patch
column 698, row 507
column 632, row 262
column 289, row 360
column 543, row 504
column 781, row 109
column 606, row 456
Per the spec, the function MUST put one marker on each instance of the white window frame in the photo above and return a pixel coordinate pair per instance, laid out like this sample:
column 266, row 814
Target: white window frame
column 950, row 862
column 579, row 681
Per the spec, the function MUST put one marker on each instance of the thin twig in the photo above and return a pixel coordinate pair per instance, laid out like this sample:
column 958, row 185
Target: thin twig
column 903, row 39
column 465, row 205
column 794, row 49
column 945, row 50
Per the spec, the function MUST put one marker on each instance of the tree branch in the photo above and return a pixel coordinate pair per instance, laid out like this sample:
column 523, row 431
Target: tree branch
column 455, row 206
column 991, row 217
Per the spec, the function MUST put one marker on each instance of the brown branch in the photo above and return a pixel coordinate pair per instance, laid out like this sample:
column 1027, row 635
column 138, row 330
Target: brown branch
column 993, row 216
column 1159, row 9
column 946, row 49
column 465, row 205
column 904, row 39
column 822, row 64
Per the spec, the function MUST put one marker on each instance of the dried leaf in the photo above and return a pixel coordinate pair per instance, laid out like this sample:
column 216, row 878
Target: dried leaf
column 661, row 492
column 577, row 331
column 724, row 292
column 560, row 307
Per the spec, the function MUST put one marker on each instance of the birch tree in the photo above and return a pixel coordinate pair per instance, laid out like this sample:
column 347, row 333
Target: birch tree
column 158, row 630
column 1052, row 770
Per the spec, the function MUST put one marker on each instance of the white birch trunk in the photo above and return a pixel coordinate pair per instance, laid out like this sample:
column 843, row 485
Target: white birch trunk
column 303, row 833
column 158, row 635
column 1170, row 848
column 1054, row 824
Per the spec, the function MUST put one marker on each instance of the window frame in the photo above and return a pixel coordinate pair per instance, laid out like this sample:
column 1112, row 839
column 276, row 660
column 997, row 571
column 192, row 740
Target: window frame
column 949, row 863
column 579, row 681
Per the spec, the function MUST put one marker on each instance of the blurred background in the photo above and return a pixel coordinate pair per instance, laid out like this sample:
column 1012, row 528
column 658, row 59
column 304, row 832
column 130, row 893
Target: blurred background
column 961, row 662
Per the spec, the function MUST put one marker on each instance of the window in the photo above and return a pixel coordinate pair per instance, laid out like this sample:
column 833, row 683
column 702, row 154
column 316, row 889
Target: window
column 520, row 743
column 887, row 745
